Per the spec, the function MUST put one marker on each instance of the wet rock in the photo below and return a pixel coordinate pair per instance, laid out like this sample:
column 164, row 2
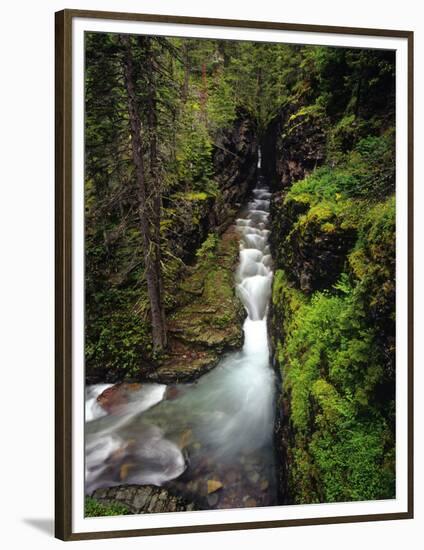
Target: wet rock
column 185, row 439
column 213, row 499
column 177, row 368
column 143, row 499
column 114, row 399
column 235, row 165
column 264, row 485
column 172, row 392
column 125, row 470
column 253, row 477
column 231, row 477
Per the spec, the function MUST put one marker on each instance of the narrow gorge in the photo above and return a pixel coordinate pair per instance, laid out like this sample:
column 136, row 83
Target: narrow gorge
column 266, row 376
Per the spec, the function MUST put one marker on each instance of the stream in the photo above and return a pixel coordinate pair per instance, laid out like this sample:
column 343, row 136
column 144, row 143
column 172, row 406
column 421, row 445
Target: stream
column 213, row 441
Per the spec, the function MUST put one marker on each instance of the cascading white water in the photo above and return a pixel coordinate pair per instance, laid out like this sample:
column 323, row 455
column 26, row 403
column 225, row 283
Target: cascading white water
column 220, row 427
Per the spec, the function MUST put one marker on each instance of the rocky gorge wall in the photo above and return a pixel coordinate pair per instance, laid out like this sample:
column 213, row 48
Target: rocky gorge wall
column 331, row 321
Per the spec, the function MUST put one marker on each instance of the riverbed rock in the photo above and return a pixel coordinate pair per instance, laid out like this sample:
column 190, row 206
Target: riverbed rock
column 185, row 438
column 264, row 485
column 253, row 477
column 232, row 476
column 114, row 399
column 213, row 499
column 143, row 499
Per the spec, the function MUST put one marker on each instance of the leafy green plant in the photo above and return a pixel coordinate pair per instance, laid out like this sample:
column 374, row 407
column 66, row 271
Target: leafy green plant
column 208, row 247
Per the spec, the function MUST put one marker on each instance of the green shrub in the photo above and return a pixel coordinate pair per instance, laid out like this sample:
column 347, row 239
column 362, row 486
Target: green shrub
column 208, row 247
column 367, row 172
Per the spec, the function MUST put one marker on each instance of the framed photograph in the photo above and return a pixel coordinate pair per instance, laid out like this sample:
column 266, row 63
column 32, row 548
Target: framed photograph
column 233, row 274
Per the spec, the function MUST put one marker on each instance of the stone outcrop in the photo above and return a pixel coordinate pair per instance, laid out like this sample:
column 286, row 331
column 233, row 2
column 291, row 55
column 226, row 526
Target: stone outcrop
column 143, row 499
column 310, row 244
column 235, row 159
column 292, row 147
column 208, row 320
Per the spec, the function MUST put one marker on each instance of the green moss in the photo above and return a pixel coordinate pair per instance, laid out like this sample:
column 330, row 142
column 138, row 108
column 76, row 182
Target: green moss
column 95, row 509
column 210, row 316
column 354, row 462
column 331, row 368
column 193, row 196
column 283, row 292
column 208, row 247
column 286, row 302
column 373, row 259
column 328, row 227
column 334, row 409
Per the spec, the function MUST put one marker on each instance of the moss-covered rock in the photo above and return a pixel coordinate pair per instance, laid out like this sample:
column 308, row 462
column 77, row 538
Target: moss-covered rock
column 312, row 240
column 208, row 320
column 332, row 316
column 135, row 499
column 95, row 508
column 333, row 433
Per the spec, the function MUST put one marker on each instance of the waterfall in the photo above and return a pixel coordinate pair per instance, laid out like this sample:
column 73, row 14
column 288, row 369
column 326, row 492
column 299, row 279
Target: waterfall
column 220, row 427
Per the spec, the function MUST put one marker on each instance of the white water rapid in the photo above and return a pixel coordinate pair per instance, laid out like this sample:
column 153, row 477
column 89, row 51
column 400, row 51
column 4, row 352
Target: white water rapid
column 220, row 427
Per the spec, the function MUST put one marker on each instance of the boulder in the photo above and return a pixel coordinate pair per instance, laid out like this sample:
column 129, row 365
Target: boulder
column 144, row 499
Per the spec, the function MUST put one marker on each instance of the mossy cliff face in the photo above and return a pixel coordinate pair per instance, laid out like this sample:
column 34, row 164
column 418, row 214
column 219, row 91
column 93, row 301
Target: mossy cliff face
column 332, row 316
column 332, row 331
column 292, row 146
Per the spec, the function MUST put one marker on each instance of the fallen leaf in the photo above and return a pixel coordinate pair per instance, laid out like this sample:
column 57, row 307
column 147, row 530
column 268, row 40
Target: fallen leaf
column 213, row 485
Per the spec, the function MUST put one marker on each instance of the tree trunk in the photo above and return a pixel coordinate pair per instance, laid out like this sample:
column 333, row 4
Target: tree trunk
column 155, row 179
column 184, row 93
column 148, row 227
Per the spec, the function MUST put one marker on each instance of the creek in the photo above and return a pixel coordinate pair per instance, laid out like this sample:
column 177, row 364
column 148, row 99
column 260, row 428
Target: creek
column 211, row 440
